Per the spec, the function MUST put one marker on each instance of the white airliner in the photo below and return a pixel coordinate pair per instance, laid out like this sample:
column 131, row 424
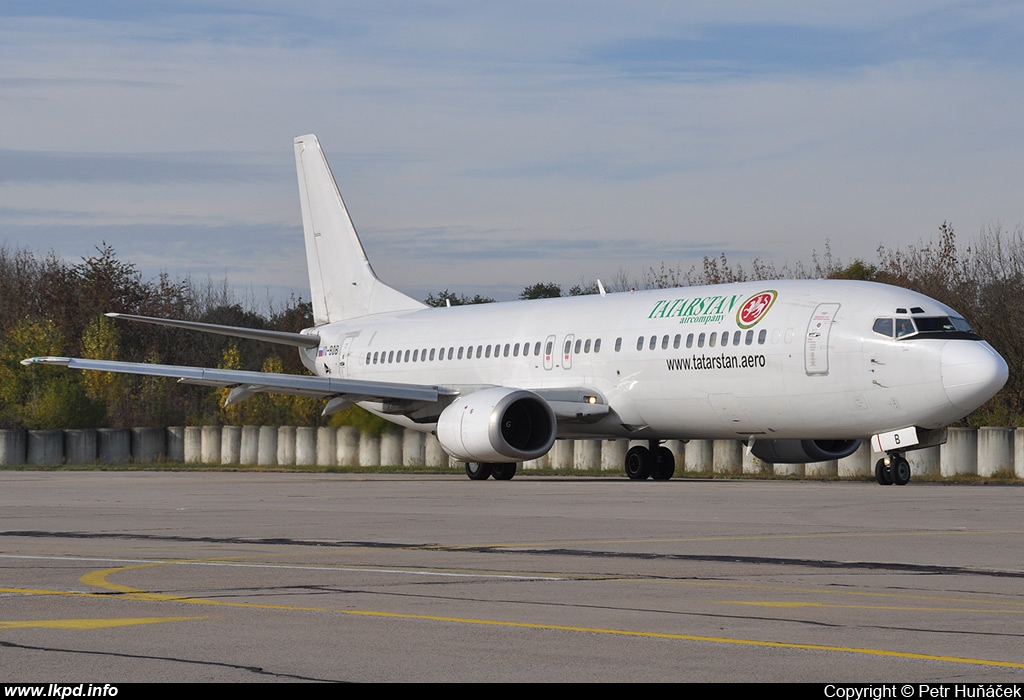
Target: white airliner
column 802, row 370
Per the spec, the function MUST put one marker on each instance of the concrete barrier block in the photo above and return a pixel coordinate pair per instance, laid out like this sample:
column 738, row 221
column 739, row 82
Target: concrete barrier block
column 923, row 462
column 210, row 444
column 586, row 454
column 148, row 445
column 613, row 456
column 231, row 444
column 176, row 443
column 13, row 447
column 326, row 446
column 960, row 453
column 727, row 456
column 995, row 450
column 45, row 447
column 433, row 454
column 369, row 450
column 286, row 445
column 413, row 452
column 391, row 448
column 305, row 446
column 700, row 456
column 114, row 445
column 267, row 451
column 1018, row 452
column 754, row 465
column 859, row 464
column 348, row 446
column 79, row 446
column 193, row 444
column 249, row 449
column 561, row 454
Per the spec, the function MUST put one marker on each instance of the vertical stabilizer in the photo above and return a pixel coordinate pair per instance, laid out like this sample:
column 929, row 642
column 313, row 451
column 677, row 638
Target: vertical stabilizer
column 341, row 282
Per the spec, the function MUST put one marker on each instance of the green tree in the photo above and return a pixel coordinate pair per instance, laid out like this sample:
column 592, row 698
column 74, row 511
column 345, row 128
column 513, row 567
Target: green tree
column 38, row 396
column 447, row 298
column 101, row 341
column 541, row 290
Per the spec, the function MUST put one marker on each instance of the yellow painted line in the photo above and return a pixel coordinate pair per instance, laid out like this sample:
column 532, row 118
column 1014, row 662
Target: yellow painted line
column 99, row 578
column 89, row 624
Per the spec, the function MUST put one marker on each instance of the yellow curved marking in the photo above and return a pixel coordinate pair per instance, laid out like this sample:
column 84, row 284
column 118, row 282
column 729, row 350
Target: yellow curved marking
column 89, row 624
column 99, row 578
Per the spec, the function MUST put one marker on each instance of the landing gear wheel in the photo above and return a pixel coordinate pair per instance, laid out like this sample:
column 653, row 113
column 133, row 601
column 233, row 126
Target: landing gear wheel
column 664, row 464
column 503, row 472
column 638, row 463
column 883, row 473
column 900, row 471
column 478, row 471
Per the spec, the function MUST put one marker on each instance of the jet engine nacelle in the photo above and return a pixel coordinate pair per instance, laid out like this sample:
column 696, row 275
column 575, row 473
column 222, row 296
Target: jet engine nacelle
column 803, row 451
column 497, row 425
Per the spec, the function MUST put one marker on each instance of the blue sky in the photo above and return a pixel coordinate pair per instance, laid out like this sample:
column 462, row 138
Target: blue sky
column 482, row 147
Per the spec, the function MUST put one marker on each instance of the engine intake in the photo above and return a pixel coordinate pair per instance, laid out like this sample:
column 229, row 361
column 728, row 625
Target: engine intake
column 803, row 451
column 497, row 425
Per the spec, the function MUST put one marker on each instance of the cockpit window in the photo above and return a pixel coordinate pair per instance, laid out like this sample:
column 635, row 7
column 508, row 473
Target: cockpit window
column 883, row 326
column 940, row 327
column 904, row 327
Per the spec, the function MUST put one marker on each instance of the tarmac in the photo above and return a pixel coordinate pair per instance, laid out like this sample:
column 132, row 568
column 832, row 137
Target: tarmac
column 115, row 577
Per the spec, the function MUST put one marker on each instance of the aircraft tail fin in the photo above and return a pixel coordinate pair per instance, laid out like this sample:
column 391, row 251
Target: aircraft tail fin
column 341, row 281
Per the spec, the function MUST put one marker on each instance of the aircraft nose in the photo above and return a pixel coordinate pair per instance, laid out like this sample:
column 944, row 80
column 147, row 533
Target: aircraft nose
column 972, row 373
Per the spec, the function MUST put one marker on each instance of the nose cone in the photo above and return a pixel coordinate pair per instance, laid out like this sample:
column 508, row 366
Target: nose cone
column 972, row 373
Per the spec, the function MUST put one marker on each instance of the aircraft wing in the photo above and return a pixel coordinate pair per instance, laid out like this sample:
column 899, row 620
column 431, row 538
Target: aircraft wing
column 247, row 383
column 567, row 404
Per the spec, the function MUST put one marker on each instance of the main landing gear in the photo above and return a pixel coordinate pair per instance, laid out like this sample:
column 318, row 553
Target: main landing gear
column 892, row 469
column 480, row 471
column 656, row 461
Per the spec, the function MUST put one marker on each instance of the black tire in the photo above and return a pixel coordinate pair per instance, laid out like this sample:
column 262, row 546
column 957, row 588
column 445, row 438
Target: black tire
column 503, row 472
column 900, row 471
column 663, row 464
column 478, row 471
column 883, row 473
column 638, row 463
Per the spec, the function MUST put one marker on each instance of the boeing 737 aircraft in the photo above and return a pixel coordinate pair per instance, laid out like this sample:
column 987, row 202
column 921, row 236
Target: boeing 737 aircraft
column 801, row 370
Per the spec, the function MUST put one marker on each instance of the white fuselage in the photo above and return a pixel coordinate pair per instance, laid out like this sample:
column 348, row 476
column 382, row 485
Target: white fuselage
column 693, row 362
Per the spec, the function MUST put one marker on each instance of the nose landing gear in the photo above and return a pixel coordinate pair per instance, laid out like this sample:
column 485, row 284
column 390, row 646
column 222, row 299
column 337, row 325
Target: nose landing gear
column 892, row 469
